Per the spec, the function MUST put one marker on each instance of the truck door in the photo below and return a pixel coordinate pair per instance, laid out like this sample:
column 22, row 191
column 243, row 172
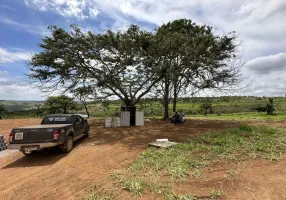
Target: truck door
column 78, row 125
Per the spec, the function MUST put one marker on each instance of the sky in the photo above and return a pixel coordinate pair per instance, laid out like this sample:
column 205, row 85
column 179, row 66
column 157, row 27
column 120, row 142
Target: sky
column 260, row 25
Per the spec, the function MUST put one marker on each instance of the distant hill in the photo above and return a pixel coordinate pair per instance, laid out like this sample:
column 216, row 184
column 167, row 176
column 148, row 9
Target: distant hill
column 20, row 105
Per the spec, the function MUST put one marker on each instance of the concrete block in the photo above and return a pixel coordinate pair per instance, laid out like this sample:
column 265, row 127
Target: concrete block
column 163, row 144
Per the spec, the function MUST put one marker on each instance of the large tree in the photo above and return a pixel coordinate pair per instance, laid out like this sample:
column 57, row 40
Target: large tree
column 196, row 59
column 123, row 63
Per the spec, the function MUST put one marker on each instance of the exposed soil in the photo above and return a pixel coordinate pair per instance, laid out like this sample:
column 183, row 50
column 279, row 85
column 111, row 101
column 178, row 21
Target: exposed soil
column 52, row 175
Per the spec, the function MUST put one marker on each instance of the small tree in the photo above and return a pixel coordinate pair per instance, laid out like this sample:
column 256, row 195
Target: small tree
column 206, row 108
column 39, row 110
column 84, row 94
column 59, row 104
column 260, row 108
column 270, row 108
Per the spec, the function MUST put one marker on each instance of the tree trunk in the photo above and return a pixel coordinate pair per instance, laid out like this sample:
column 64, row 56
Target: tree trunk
column 128, row 102
column 166, row 108
column 175, row 99
column 86, row 110
column 206, row 112
column 166, row 101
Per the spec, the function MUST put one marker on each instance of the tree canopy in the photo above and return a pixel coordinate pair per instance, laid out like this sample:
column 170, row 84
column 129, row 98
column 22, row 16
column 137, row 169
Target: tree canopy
column 197, row 59
column 179, row 55
column 59, row 104
column 122, row 63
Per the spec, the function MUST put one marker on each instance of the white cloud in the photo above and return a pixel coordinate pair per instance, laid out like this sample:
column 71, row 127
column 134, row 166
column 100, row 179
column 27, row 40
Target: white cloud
column 266, row 74
column 33, row 29
column 19, row 91
column 7, row 7
column 257, row 10
column 17, row 88
column 7, row 56
column 259, row 24
column 268, row 64
column 3, row 73
column 80, row 9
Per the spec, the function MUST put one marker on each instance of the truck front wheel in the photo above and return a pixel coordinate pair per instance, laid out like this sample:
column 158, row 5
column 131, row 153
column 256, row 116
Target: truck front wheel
column 68, row 145
column 86, row 132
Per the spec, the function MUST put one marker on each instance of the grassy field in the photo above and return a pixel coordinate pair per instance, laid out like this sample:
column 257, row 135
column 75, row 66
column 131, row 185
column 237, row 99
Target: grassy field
column 231, row 108
column 247, row 116
column 157, row 171
column 191, row 107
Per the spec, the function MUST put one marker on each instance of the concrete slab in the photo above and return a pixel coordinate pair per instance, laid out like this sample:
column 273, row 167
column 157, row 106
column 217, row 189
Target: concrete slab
column 163, row 144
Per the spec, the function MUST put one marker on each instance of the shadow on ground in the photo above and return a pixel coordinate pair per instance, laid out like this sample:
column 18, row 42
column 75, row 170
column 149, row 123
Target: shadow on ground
column 42, row 158
column 140, row 137
column 131, row 137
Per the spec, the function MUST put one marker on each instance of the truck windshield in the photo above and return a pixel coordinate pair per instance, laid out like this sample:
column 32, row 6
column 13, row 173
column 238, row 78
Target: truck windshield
column 57, row 120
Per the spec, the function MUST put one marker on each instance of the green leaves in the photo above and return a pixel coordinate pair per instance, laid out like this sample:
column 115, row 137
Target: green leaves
column 59, row 104
column 120, row 63
column 128, row 64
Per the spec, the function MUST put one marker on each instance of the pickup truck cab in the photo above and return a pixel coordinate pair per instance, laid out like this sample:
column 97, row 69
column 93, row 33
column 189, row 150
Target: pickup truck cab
column 55, row 130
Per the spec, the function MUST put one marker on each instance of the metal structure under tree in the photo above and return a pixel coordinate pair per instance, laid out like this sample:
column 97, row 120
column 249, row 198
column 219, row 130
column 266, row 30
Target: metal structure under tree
column 130, row 117
column 132, row 111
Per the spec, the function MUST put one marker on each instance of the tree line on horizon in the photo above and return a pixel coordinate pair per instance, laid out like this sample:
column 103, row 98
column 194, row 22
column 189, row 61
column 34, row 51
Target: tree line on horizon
column 152, row 106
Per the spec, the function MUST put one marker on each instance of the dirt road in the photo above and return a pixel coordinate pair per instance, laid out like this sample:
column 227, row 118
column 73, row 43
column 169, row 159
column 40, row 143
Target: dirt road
column 67, row 176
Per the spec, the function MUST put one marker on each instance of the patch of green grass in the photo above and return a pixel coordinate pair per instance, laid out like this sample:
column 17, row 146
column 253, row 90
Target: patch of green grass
column 234, row 144
column 133, row 185
column 215, row 194
column 97, row 193
column 156, row 170
column 245, row 142
column 176, row 162
column 130, row 183
column 184, row 197
column 245, row 116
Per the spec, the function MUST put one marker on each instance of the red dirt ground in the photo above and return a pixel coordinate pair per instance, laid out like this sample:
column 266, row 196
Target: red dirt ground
column 54, row 175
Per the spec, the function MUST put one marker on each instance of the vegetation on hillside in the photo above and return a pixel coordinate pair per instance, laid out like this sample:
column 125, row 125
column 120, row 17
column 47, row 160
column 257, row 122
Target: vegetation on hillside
column 226, row 107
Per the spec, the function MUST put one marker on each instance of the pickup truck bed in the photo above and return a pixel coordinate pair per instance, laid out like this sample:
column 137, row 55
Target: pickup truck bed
column 56, row 133
column 37, row 133
column 43, row 126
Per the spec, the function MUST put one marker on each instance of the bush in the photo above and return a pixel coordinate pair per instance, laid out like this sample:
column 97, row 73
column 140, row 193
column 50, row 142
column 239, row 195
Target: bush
column 206, row 108
column 270, row 107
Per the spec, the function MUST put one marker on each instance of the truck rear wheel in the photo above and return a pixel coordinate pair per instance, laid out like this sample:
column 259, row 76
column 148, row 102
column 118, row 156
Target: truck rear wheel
column 68, row 145
column 27, row 153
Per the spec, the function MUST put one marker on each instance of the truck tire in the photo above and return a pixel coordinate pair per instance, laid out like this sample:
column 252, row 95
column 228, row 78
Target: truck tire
column 68, row 145
column 26, row 153
column 86, row 132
